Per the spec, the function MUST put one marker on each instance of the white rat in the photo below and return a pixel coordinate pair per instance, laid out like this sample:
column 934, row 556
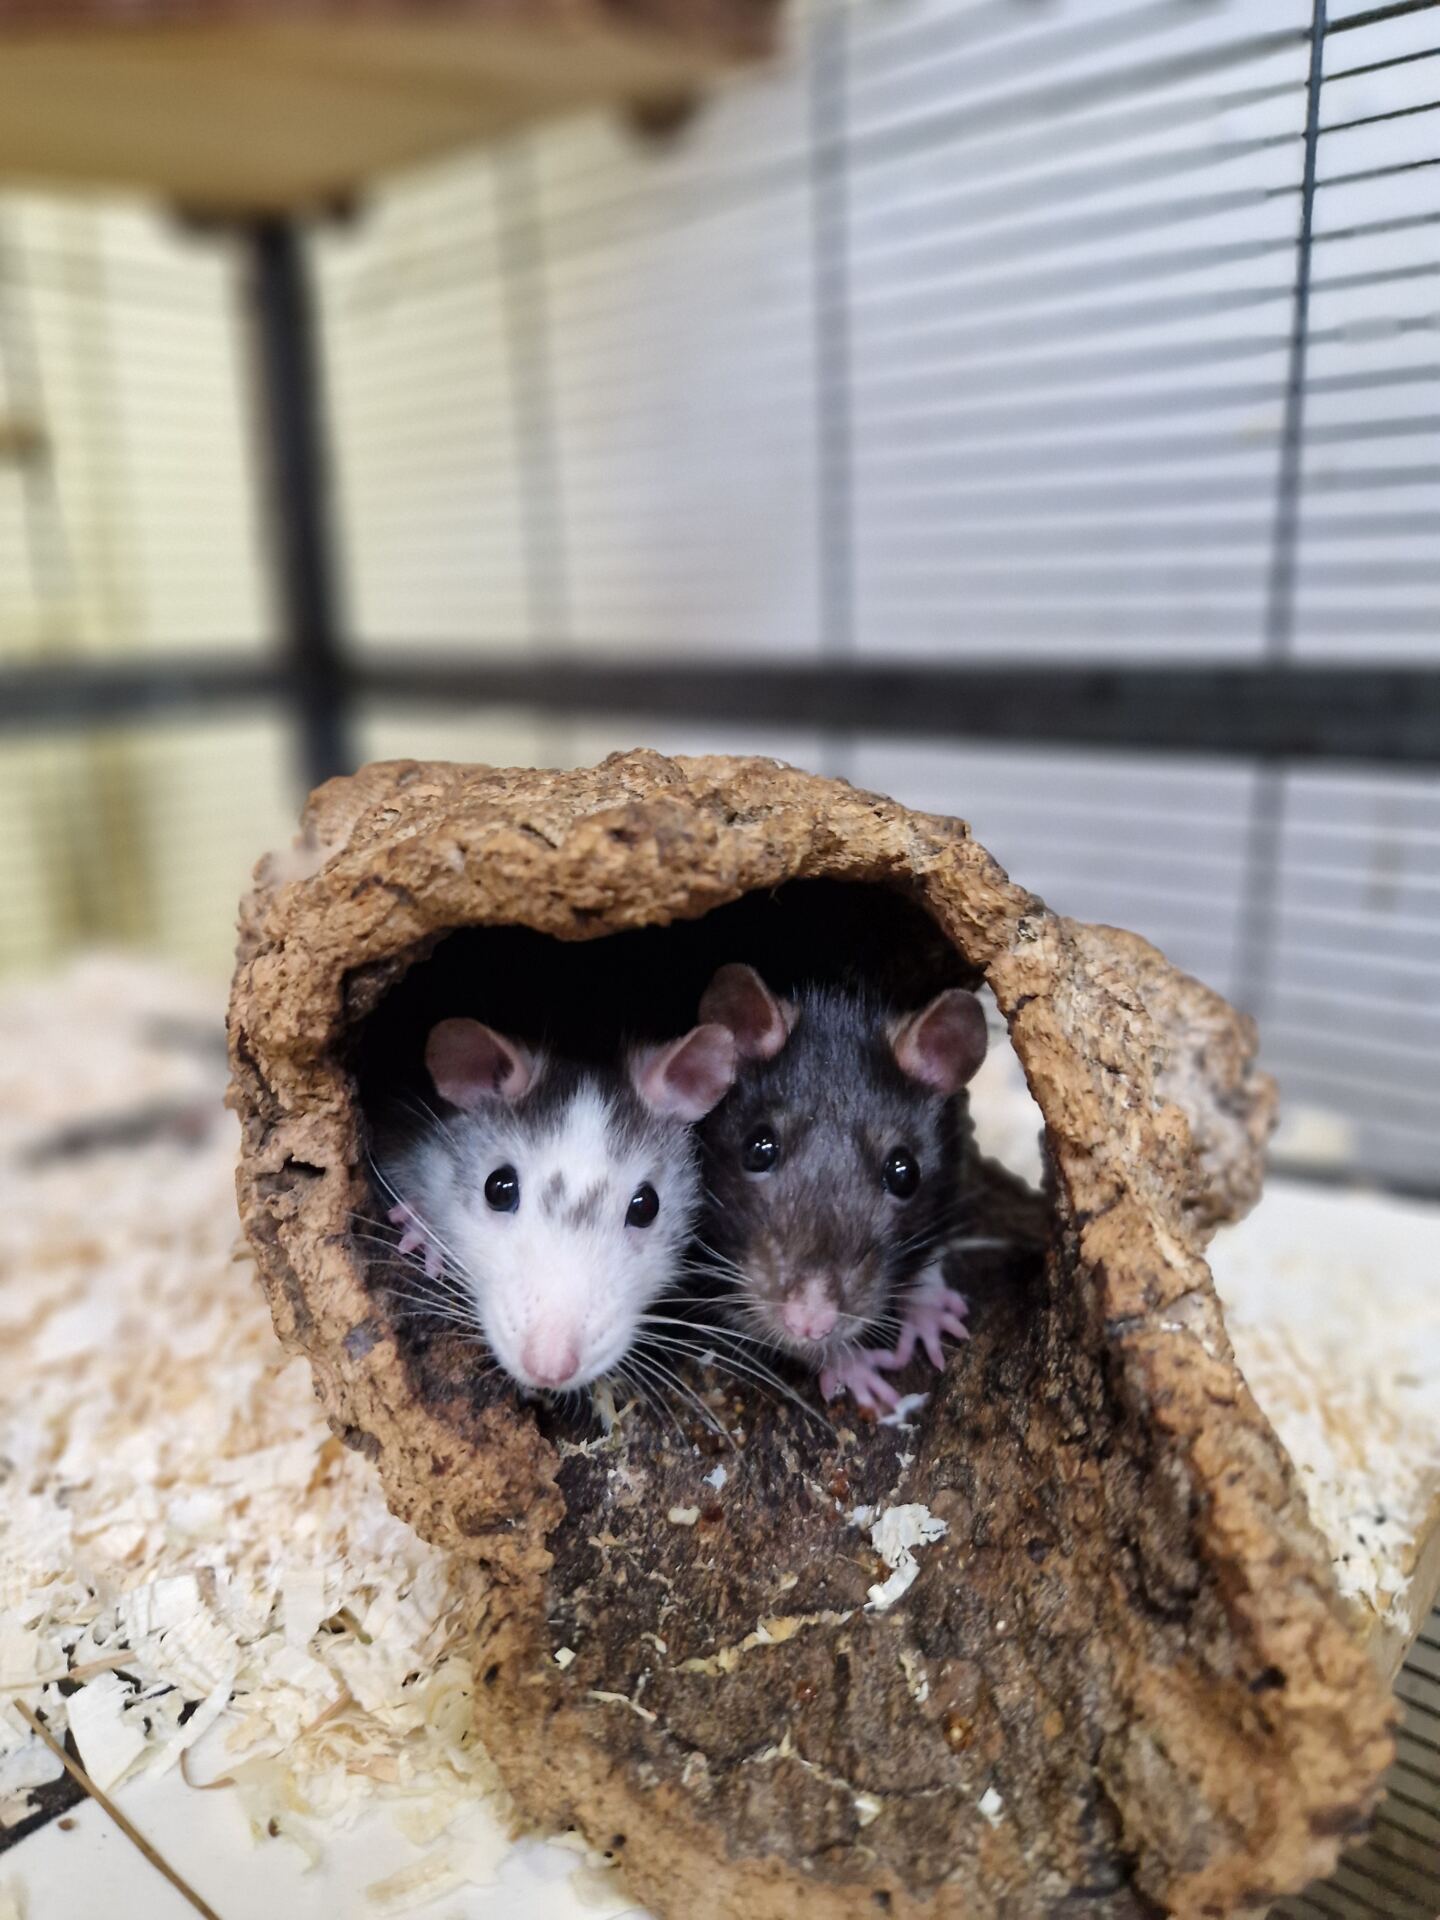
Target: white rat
column 554, row 1205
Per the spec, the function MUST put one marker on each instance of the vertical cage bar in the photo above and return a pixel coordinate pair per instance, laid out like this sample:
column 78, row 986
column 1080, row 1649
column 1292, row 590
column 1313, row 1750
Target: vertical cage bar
column 1267, row 810
column 22, row 394
column 1280, row 588
column 834, row 396
column 530, row 379
column 291, row 408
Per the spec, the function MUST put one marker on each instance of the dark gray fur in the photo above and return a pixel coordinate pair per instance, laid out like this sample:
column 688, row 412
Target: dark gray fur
column 839, row 1105
column 471, row 1140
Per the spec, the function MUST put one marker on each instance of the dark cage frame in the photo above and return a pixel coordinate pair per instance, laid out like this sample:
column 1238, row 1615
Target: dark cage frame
column 1281, row 711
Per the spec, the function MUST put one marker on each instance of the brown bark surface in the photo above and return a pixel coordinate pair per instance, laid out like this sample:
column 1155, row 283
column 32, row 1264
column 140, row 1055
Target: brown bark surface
column 1122, row 1681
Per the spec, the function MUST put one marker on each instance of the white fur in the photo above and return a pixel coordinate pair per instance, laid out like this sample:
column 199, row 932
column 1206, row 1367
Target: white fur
column 551, row 1297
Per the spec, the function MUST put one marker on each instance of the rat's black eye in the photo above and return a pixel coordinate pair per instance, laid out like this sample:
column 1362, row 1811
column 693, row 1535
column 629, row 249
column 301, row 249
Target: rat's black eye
column 502, row 1190
column 902, row 1173
column 644, row 1205
column 761, row 1150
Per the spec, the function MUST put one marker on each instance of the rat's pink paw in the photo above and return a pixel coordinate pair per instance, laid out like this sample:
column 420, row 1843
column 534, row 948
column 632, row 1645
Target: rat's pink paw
column 412, row 1240
column 931, row 1312
column 860, row 1374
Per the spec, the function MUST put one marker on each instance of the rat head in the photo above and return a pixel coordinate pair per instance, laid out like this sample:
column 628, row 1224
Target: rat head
column 564, row 1196
column 833, row 1162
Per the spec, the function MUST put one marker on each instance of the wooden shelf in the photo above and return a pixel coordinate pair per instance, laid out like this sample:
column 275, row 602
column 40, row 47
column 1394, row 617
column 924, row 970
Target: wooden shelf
column 270, row 106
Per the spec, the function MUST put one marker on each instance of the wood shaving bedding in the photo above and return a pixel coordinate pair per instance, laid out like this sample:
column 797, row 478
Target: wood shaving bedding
column 1334, row 1311
column 180, row 1531
column 1332, row 1303
column 182, row 1536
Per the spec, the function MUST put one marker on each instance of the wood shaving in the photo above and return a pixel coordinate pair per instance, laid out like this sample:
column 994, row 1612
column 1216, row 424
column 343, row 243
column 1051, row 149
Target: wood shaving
column 439, row 1872
column 991, row 1806
column 867, row 1809
column 893, row 1535
column 916, row 1680
column 175, row 1506
column 1332, row 1302
column 109, row 1740
column 1333, row 1306
column 180, row 1532
column 899, row 1414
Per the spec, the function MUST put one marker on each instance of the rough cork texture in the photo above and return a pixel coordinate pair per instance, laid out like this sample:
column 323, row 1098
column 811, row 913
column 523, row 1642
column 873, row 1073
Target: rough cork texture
column 1121, row 1683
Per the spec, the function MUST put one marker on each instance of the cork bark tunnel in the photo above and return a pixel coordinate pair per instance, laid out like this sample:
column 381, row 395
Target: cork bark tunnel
column 1121, row 1682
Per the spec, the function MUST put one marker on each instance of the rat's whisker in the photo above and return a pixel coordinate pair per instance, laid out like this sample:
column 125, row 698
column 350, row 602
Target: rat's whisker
column 421, row 1108
column 424, row 1226
column 355, row 1215
column 711, row 1328
column 755, row 1317
column 722, row 1269
column 431, row 1297
column 646, row 1370
column 422, row 1307
column 753, row 1368
column 713, row 1255
column 389, row 1244
column 689, row 1395
column 409, row 1272
column 442, row 1285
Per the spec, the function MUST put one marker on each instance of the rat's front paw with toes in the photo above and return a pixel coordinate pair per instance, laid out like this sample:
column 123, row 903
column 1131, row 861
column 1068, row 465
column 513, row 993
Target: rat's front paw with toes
column 932, row 1311
column 860, row 1374
column 412, row 1240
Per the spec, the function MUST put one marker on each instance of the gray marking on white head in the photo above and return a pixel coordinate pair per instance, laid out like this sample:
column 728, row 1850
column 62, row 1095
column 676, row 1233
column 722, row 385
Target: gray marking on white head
column 585, row 1211
column 581, row 1141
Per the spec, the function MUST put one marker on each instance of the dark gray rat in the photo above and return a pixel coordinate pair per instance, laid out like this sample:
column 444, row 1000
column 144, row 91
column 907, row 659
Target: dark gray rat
column 834, row 1167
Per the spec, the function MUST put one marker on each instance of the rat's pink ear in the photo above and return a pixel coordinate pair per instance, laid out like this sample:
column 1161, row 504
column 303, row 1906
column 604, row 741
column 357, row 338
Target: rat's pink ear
column 470, row 1063
column 739, row 999
column 943, row 1044
column 690, row 1075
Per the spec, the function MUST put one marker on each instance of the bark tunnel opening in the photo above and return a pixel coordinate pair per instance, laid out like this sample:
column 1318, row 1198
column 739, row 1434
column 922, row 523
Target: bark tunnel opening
column 583, row 1000
column 1017, row 1650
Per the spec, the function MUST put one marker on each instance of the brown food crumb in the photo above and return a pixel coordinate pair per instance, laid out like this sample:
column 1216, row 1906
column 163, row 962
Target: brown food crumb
column 959, row 1732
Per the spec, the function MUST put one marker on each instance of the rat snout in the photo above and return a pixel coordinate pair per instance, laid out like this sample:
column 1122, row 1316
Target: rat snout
column 810, row 1313
column 551, row 1356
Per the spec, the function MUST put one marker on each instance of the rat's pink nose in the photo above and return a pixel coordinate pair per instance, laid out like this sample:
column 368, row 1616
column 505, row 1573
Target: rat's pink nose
column 551, row 1359
column 811, row 1315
